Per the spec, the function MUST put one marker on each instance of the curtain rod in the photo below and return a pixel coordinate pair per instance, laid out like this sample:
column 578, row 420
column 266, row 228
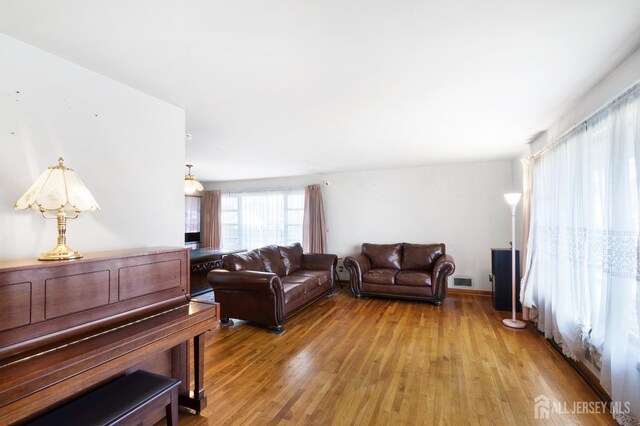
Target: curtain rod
column 275, row 188
column 634, row 87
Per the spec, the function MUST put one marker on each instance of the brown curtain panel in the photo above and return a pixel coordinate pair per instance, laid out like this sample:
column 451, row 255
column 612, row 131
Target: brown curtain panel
column 212, row 223
column 314, row 232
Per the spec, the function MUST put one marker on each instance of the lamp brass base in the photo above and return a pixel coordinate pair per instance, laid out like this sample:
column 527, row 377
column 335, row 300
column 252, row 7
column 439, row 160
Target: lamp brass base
column 60, row 252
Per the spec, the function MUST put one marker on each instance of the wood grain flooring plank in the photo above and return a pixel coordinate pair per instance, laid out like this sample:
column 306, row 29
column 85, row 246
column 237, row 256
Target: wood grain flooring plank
column 348, row 361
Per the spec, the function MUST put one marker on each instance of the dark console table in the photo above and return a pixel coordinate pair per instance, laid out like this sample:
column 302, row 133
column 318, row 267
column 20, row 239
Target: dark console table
column 202, row 261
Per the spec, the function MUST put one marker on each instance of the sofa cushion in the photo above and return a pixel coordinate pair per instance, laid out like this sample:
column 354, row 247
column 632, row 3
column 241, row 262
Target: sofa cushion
column 309, row 273
column 291, row 257
column 421, row 256
column 383, row 256
column 248, row 261
column 272, row 261
column 380, row 276
column 316, row 276
column 321, row 286
column 296, row 279
column 415, row 278
column 293, row 295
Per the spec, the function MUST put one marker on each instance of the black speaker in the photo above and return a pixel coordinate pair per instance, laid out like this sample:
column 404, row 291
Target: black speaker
column 501, row 279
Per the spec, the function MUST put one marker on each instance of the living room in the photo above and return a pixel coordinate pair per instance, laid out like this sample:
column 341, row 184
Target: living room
column 393, row 167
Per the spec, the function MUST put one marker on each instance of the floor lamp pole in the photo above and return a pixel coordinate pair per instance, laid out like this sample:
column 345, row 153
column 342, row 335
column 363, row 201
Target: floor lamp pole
column 512, row 322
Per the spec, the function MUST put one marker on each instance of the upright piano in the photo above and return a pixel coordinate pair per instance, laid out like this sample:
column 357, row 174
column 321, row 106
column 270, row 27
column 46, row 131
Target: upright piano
column 66, row 327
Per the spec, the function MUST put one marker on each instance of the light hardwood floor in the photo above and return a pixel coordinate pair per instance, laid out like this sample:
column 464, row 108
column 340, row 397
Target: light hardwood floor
column 377, row 361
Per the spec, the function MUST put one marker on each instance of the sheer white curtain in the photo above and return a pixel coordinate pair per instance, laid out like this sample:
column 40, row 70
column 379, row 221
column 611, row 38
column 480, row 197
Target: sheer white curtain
column 256, row 218
column 583, row 252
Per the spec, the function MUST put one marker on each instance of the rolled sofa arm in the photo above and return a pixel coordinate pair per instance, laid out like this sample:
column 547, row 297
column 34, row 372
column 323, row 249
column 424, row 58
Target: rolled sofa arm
column 445, row 266
column 319, row 261
column 357, row 265
column 254, row 281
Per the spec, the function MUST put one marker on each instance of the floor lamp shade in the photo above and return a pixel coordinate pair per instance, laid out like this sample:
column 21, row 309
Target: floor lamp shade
column 512, row 200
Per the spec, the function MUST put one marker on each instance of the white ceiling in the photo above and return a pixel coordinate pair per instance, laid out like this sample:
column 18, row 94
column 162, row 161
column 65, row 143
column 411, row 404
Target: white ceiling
column 279, row 88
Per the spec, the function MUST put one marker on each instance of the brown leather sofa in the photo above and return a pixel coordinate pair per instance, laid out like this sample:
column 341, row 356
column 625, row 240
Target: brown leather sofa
column 269, row 284
column 403, row 270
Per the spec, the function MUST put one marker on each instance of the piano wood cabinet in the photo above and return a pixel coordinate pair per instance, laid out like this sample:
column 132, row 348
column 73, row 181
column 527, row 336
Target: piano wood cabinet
column 67, row 327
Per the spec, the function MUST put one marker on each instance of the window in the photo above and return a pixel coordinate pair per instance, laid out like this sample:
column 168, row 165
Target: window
column 252, row 219
column 192, row 206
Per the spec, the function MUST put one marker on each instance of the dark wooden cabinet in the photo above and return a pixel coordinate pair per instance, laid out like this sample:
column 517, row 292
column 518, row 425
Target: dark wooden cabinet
column 501, row 279
column 202, row 261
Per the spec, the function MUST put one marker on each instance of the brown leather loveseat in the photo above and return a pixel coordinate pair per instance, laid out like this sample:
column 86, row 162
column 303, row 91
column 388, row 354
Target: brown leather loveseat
column 403, row 270
column 268, row 284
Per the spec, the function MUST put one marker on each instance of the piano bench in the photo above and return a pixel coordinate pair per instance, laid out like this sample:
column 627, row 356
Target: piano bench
column 119, row 402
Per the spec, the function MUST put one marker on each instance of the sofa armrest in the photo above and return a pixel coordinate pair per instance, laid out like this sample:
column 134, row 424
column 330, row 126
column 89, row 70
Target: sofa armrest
column 357, row 265
column 253, row 281
column 359, row 262
column 319, row 262
column 445, row 266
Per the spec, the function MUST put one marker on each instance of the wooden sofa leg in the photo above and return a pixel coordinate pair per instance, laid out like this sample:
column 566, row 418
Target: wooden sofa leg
column 276, row 330
column 226, row 322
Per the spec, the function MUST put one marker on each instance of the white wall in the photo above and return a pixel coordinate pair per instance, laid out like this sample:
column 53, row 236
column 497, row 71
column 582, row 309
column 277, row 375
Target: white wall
column 610, row 87
column 127, row 147
column 461, row 205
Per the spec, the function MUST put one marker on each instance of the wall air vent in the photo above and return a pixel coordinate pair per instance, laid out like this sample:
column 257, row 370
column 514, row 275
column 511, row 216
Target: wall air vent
column 462, row 282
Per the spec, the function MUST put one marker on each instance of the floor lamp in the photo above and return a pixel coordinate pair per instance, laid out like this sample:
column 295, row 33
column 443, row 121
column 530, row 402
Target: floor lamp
column 512, row 200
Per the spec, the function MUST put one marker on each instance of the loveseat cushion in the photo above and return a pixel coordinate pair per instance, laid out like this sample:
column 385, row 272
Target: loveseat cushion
column 291, row 257
column 413, row 278
column 383, row 256
column 272, row 261
column 380, row 276
column 248, row 261
column 421, row 256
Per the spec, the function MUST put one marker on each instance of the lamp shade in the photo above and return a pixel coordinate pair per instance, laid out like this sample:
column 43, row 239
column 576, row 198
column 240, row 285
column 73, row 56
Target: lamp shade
column 191, row 185
column 512, row 198
column 59, row 190
column 58, row 187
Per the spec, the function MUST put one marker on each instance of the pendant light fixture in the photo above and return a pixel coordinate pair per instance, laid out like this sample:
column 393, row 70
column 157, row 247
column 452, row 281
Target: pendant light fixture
column 191, row 185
